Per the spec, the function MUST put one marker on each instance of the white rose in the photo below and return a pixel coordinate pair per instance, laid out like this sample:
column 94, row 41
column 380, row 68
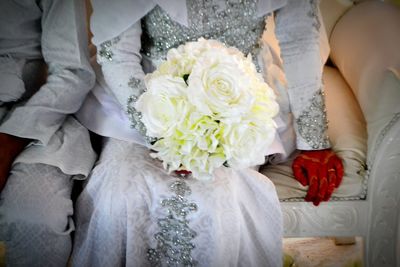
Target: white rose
column 265, row 106
column 177, row 64
column 219, row 85
column 245, row 143
column 163, row 105
column 202, row 130
column 180, row 60
column 167, row 150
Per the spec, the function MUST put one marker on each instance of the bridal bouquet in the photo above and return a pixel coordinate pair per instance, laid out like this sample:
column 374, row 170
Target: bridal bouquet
column 206, row 106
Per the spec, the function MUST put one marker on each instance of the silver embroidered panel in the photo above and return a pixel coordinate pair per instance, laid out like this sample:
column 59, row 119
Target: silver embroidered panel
column 135, row 116
column 233, row 22
column 174, row 240
column 313, row 123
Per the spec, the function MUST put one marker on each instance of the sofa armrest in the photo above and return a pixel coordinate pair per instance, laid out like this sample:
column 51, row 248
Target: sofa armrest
column 365, row 49
column 365, row 43
column 332, row 11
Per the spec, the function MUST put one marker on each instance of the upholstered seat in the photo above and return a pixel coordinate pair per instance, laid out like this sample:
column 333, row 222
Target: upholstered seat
column 362, row 87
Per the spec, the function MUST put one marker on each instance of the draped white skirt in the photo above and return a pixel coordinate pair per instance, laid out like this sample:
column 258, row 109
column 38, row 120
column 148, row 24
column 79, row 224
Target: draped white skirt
column 133, row 213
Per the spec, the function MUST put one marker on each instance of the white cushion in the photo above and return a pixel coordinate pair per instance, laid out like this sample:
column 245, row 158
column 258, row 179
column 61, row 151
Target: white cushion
column 365, row 48
column 364, row 44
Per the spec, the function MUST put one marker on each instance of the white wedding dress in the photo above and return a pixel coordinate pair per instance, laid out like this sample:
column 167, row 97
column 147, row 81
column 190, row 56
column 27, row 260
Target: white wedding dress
column 131, row 211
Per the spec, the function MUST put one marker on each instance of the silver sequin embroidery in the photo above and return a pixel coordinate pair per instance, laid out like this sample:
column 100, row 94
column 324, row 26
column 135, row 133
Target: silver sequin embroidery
column 105, row 52
column 134, row 115
column 174, row 240
column 312, row 123
column 234, row 23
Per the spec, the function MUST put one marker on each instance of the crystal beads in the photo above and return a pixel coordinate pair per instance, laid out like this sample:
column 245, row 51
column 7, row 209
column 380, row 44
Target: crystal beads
column 312, row 123
column 134, row 115
column 234, row 23
column 105, row 52
column 174, row 240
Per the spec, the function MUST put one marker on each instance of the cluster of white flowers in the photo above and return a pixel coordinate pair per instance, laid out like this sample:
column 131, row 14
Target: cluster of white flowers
column 207, row 106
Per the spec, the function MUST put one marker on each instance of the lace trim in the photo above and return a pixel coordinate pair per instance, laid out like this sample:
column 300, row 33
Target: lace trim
column 174, row 240
column 312, row 123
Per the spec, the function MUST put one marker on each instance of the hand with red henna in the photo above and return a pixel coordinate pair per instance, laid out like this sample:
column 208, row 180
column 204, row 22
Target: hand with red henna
column 10, row 147
column 321, row 170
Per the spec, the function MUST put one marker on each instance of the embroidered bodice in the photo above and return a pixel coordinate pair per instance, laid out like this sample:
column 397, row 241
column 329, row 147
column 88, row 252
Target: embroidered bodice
column 126, row 58
column 233, row 22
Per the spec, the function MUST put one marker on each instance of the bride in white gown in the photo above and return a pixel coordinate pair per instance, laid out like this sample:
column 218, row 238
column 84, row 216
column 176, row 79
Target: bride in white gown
column 131, row 211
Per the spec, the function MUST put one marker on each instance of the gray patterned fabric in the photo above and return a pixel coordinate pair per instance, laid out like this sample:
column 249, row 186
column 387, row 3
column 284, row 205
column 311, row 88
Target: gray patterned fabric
column 45, row 75
column 36, row 216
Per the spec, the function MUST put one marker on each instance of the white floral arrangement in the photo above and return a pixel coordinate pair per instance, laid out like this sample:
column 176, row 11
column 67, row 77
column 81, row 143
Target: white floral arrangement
column 207, row 106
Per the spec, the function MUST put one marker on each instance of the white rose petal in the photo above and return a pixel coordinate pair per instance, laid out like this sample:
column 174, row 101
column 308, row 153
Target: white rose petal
column 163, row 105
column 246, row 143
column 218, row 85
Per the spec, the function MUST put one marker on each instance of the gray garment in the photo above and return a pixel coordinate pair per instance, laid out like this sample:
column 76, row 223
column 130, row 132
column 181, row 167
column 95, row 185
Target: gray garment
column 45, row 77
column 3, row 112
column 35, row 216
column 40, row 39
column 20, row 28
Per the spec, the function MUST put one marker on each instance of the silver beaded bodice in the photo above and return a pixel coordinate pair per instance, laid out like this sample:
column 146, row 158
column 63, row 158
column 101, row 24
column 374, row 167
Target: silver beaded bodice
column 233, row 22
column 236, row 23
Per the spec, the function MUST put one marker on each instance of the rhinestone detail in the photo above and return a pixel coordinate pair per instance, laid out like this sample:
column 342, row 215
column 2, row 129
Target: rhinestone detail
column 234, row 23
column 174, row 240
column 134, row 115
column 105, row 53
column 312, row 123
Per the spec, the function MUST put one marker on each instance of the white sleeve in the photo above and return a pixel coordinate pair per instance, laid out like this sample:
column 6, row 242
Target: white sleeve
column 70, row 76
column 303, row 51
column 122, row 72
column 12, row 86
column 120, row 61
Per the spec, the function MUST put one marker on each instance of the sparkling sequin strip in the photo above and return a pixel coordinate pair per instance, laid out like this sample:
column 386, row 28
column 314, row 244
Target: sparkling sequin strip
column 313, row 124
column 105, row 52
column 313, row 13
column 135, row 116
column 234, row 23
column 174, row 240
